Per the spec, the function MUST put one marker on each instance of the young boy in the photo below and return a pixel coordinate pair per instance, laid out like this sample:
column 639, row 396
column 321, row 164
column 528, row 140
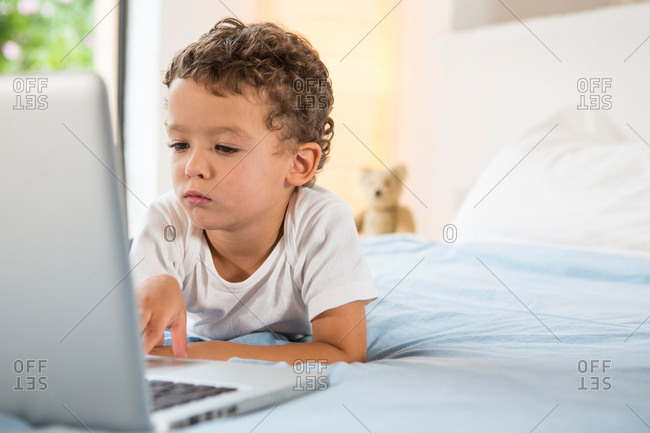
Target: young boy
column 245, row 242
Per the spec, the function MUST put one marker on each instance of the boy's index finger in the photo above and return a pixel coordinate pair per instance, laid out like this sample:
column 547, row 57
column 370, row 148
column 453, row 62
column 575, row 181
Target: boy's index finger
column 179, row 339
column 152, row 334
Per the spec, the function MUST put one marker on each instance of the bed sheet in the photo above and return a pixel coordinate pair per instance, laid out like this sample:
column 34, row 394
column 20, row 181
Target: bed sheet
column 483, row 337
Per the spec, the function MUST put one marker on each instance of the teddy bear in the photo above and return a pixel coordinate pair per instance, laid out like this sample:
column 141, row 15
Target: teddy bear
column 382, row 189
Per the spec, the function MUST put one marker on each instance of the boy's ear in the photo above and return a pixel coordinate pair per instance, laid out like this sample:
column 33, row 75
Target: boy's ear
column 304, row 164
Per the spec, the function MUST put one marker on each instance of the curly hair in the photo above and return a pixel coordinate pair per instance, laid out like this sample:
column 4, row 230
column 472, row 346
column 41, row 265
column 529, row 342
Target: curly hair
column 280, row 65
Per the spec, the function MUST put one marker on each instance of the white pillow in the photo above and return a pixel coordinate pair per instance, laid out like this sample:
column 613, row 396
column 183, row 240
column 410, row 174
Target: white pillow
column 586, row 184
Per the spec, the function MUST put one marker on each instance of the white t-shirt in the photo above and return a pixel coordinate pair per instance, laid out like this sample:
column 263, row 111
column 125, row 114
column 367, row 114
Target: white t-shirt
column 317, row 264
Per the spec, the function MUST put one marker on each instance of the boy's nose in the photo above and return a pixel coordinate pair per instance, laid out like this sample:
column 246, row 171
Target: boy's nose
column 196, row 167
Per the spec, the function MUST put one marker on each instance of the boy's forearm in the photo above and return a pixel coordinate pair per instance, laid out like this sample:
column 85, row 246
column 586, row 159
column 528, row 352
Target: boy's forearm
column 290, row 353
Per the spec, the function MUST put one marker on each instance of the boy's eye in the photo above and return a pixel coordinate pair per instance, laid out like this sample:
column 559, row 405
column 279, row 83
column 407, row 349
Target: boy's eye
column 179, row 146
column 225, row 149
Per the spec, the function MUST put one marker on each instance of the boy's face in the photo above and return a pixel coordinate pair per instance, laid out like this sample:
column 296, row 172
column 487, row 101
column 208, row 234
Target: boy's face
column 227, row 168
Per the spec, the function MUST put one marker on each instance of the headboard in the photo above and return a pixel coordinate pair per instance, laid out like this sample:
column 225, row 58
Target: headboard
column 490, row 85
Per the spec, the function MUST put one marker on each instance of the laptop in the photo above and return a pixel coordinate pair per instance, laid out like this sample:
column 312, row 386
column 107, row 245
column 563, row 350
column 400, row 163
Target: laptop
column 70, row 346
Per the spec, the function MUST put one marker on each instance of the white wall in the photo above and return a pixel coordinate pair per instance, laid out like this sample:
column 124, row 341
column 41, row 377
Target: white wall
column 422, row 22
column 472, row 13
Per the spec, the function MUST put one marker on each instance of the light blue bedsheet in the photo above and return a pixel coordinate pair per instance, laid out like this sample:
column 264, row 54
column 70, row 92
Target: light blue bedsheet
column 485, row 337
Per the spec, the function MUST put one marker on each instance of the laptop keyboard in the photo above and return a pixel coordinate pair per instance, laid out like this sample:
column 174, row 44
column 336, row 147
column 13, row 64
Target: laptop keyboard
column 166, row 394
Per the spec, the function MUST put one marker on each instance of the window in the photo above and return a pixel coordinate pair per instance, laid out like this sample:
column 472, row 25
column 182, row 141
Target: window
column 45, row 35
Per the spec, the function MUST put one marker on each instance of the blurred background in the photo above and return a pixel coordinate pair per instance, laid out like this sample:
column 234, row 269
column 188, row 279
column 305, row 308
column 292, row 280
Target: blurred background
column 376, row 52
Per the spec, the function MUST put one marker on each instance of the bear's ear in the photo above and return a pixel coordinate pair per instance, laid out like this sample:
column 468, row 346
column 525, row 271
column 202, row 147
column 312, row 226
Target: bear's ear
column 400, row 171
column 365, row 173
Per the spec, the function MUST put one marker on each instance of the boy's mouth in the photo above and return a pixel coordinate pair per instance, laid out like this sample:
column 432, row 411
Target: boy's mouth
column 195, row 198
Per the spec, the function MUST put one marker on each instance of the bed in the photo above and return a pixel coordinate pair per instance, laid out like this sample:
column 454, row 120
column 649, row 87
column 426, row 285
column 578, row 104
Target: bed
column 484, row 337
column 535, row 314
column 488, row 337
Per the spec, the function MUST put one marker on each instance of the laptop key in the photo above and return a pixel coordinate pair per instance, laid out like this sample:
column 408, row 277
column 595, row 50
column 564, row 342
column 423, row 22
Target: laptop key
column 166, row 394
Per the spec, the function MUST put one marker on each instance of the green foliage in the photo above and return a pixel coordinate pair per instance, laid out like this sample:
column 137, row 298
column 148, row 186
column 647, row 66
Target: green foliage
column 47, row 35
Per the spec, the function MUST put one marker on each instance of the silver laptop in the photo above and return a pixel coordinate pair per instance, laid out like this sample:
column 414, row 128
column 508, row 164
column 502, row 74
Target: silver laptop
column 70, row 345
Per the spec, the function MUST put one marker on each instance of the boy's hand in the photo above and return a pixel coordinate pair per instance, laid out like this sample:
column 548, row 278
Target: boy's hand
column 162, row 307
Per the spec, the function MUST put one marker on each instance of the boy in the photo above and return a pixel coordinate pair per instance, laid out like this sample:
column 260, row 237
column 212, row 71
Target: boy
column 245, row 243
